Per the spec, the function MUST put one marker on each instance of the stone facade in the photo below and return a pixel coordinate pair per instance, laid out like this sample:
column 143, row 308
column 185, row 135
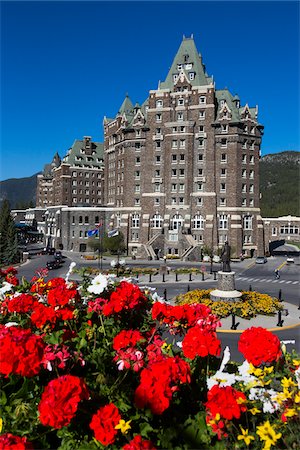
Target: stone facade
column 186, row 163
column 280, row 229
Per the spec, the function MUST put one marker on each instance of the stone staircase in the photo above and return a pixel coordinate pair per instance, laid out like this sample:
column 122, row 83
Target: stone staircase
column 192, row 244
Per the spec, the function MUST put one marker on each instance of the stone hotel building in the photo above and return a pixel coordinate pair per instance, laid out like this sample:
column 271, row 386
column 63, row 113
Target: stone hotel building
column 176, row 173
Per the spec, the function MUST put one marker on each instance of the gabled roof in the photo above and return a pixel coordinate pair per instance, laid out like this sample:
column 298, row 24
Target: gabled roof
column 126, row 106
column 224, row 94
column 187, row 54
column 76, row 157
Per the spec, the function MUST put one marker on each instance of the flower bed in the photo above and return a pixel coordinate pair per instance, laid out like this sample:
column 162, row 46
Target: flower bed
column 250, row 305
column 96, row 366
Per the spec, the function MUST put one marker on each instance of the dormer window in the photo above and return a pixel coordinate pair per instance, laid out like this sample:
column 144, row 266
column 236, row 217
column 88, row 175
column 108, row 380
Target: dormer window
column 202, row 99
column 222, row 103
column 175, row 78
column 224, row 128
column 192, row 75
column 180, row 102
column 179, row 66
column 159, row 103
column 188, row 66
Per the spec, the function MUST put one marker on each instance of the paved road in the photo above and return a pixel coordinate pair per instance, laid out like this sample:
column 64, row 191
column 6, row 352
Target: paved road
column 260, row 277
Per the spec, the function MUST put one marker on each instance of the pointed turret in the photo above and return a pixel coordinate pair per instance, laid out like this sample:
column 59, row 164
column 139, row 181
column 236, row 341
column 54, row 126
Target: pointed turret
column 126, row 106
column 187, row 59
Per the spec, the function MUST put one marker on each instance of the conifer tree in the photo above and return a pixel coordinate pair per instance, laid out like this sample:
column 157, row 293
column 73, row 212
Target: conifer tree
column 8, row 236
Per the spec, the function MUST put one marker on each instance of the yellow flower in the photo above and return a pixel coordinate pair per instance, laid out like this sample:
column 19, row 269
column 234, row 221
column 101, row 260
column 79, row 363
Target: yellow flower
column 1, row 424
column 123, row 426
column 288, row 382
column 244, row 436
column 254, row 411
column 290, row 412
column 296, row 362
column 287, row 393
column 268, row 434
column 297, row 398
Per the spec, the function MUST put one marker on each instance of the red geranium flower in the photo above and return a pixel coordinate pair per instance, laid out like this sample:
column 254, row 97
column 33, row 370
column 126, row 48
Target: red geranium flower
column 137, row 443
column 226, row 401
column 10, row 442
column 21, row 352
column 198, row 342
column 43, row 315
column 259, row 346
column 127, row 296
column 126, row 338
column 22, row 303
column 60, row 399
column 103, row 423
column 159, row 381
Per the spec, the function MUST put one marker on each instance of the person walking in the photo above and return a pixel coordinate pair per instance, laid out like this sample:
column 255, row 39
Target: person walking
column 277, row 276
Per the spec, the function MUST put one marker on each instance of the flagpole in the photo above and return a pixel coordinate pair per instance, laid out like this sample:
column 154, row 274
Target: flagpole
column 101, row 242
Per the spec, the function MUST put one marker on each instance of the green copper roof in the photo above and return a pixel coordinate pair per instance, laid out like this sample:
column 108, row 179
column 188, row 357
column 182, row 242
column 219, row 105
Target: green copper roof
column 126, row 106
column 76, row 156
column 187, row 54
column 224, row 94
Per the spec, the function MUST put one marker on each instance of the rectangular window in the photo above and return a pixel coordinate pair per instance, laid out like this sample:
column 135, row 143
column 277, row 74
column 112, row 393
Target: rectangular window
column 159, row 103
column 244, row 173
column 223, row 187
column 180, row 117
column 157, row 159
column 223, row 173
column 182, row 143
column 182, row 157
column 157, row 173
column 180, row 102
column 200, row 157
column 202, row 99
column 158, row 131
column 181, row 200
column 251, row 188
column 251, row 174
column 244, row 188
column 174, row 144
column 201, row 143
column 224, row 143
column 199, row 187
column 137, row 161
column 137, row 188
column 224, row 128
column 173, row 201
column 137, row 202
column 251, row 159
column 244, row 202
column 173, row 187
column 201, row 115
column 137, row 174
column 158, row 117
column 157, row 187
column 191, row 75
column 174, row 158
column 174, row 172
column 200, row 172
column 199, row 201
column 251, row 202
column 181, row 187
column 201, row 128
column 244, row 159
column 181, row 172
column 156, row 201
column 222, row 201
column 223, row 158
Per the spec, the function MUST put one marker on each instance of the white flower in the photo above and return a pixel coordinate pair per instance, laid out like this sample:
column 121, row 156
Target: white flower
column 220, row 377
column 179, row 344
column 5, row 288
column 99, row 284
column 113, row 263
column 157, row 298
column 297, row 375
column 71, row 267
column 267, row 397
column 245, row 376
column 122, row 262
column 11, row 324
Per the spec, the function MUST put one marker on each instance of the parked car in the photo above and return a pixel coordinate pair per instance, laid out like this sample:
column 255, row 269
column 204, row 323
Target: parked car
column 261, row 260
column 54, row 264
column 290, row 260
column 58, row 255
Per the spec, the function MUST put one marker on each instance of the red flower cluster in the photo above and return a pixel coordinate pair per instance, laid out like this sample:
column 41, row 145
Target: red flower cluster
column 96, row 305
column 226, row 401
column 158, row 382
column 127, row 338
column 60, row 399
column 182, row 317
column 127, row 296
column 10, row 442
column 21, row 352
column 43, row 315
column 137, row 443
column 103, row 423
column 22, row 303
column 200, row 342
column 59, row 355
column 259, row 346
column 60, row 294
column 9, row 275
column 217, row 426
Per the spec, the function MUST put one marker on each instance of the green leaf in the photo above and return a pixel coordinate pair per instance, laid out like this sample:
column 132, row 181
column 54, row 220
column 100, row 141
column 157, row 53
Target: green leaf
column 145, row 428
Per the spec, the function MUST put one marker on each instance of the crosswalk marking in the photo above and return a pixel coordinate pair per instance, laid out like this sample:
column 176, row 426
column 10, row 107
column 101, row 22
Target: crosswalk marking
column 294, row 282
column 282, row 281
column 288, row 282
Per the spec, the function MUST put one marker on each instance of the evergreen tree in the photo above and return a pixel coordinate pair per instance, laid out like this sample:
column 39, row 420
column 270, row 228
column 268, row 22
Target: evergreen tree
column 114, row 244
column 8, row 236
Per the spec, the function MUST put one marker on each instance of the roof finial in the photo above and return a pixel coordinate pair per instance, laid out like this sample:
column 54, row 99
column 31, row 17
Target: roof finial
column 192, row 36
column 183, row 37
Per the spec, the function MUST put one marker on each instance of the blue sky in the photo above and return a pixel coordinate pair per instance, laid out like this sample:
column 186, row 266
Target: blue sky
column 65, row 65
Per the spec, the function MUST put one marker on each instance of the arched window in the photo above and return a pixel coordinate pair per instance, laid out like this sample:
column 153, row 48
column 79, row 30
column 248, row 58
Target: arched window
column 156, row 221
column 176, row 222
column 80, row 219
column 198, row 222
column 135, row 220
column 86, row 219
column 247, row 222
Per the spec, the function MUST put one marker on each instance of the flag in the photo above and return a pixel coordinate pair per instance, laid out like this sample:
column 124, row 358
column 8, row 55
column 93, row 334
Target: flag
column 91, row 233
column 112, row 233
